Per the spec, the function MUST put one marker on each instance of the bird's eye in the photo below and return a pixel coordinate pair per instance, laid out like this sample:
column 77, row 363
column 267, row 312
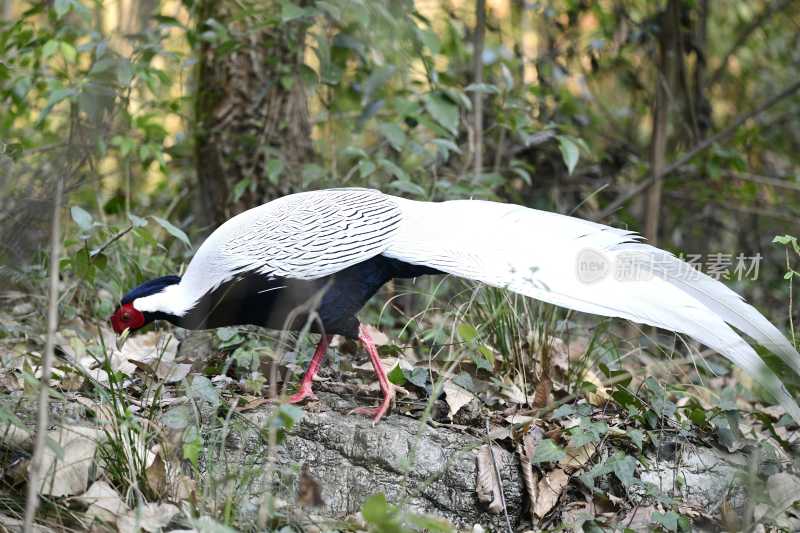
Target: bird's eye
column 126, row 316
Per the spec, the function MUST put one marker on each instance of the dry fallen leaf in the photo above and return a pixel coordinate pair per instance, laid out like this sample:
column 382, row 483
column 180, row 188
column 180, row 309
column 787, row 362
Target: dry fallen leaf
column 309, row 491
column 576, row 458
column 156, row 475
column 525, row 450
column 488, row 484
column 543, row 395
column 70, row 475
column 149, row 517
column 550, row 488
column 456, row 397
column 103, row 501
column 600, row 397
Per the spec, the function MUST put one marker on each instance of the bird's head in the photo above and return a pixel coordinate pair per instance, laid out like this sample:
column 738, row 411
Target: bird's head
column 143, row 304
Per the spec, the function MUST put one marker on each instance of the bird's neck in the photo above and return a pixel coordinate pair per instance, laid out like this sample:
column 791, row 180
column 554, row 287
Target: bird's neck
column 172, row 303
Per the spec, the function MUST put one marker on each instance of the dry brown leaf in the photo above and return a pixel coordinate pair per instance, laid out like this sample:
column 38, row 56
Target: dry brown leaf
column 600, row 397
column 576, row 458
column 388, row 364
column 252, row 404
column 171, row 372
column 14, row 525
column 15, row 438
column 378, row 337
column 156, row 475
column 103, row 501
column 456, row 397
column 550, row 488
column 514, row 394
column 70, row 475
column 543, row 395
column 488, row 484
column 149, row 517
column 525, row 450
column 309, row 491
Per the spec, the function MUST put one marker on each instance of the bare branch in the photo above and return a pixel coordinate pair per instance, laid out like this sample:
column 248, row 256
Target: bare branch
column 477, row 105
column 699, row 147
column 35, row 479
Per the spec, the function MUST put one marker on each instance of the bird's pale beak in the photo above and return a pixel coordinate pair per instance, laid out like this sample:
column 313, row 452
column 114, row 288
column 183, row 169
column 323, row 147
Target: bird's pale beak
column 122, row 337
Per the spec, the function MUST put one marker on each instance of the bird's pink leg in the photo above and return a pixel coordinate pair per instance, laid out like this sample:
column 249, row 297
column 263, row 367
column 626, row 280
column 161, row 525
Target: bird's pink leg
column 304, row 390
column 388, row 391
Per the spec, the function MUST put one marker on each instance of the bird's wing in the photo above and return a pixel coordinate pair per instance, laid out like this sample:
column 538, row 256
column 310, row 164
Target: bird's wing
column 592, row 268
column 301, row 236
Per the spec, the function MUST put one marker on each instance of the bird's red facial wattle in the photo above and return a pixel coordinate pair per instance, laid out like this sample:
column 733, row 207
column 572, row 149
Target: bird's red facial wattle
column 127, row 317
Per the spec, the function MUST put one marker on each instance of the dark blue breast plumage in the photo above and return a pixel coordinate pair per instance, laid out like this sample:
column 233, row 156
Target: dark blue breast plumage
column 330, row 302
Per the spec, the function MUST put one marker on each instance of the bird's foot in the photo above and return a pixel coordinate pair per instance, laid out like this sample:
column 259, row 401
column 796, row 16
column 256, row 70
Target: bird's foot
column 304, row 392
column 376, row 413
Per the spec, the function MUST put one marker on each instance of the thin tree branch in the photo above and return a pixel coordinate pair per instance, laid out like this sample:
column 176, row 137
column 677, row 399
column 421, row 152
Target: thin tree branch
column 35, row 480
column 699, row 147
column 477, row 105
column 755, row 24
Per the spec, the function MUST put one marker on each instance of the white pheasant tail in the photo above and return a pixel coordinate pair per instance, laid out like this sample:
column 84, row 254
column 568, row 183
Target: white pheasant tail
column 570, row 262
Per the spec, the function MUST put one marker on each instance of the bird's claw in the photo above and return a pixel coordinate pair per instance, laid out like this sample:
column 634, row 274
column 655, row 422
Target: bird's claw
column 302, row 394
column 376, row 413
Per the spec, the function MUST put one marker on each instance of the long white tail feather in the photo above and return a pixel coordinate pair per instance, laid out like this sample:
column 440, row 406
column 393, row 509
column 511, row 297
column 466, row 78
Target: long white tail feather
column 551, row 257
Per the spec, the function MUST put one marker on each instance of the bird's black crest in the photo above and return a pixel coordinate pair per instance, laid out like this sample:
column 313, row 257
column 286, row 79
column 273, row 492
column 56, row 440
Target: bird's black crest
column 150, row 287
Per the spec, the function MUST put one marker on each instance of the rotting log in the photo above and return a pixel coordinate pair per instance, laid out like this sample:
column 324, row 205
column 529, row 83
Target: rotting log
column 431, row 470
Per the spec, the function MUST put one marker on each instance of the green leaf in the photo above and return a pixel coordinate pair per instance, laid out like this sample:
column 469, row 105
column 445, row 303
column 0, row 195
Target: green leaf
column 69, row 52
column 394, row 134
column 637, row 437
column 394, row 170
column 396, row 376
column 274, row 170
column 408, row 187
column 202, row 389
column 177, row 418
column 137, row 222
column 82, row 265
column 668, row 520
column 192, row 446
column 291, row 11
column 467, row 332
column 81, row 217
column 547, row 452
column 443, row 111
column 430, row 40
column 485, row 88
column 173, row 230
column 624, row 469
column 365, row 168
column 376, row 510
column 487, row 354
column 569, row 152
column 49, row 48
column 428, row 523
column 446, row 146
column 62, row 7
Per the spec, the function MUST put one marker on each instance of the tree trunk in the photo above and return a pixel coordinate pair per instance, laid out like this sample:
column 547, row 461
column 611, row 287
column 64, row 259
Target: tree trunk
column 668, row 56
column 253, row 129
